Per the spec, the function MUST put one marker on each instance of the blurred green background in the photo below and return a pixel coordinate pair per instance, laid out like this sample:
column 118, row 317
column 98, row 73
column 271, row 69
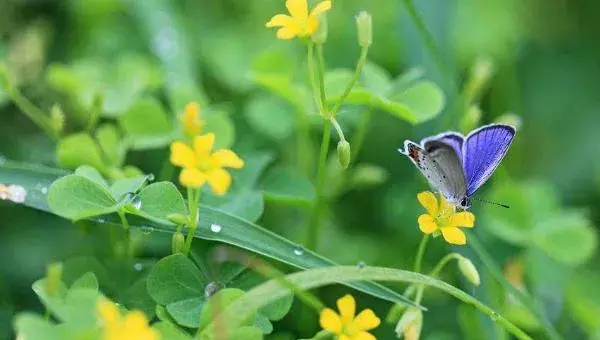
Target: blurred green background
column 545, row 72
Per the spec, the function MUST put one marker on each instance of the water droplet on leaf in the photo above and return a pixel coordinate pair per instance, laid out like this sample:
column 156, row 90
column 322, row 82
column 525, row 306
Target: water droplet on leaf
column 150, row 177
column 216, row 228
column 211, row 288
column 361, row 264
column 298, row 251
column 138, row 266
column 136, row 202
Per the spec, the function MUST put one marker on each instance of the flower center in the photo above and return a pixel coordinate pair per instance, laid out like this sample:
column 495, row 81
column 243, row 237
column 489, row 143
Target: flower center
column 205, row 163
column 443, row 218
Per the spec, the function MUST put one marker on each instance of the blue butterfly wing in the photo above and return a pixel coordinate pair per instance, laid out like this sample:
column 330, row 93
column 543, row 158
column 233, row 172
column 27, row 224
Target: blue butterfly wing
column 483, row 150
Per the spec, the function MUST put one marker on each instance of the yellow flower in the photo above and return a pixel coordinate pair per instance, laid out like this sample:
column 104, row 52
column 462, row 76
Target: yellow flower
column 344, row 325
column 200, row 164
column 134, row 326
column 300, row 23
column 443, row 217
column 192, row 123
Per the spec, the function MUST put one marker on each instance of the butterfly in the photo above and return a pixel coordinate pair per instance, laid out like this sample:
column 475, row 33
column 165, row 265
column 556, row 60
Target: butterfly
column 457, row 166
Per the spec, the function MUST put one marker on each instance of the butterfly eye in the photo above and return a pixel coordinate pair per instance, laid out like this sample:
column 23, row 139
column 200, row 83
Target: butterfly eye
column 464, row 202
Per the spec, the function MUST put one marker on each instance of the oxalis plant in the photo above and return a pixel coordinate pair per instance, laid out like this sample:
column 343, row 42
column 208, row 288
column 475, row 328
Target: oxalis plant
column 225, row 276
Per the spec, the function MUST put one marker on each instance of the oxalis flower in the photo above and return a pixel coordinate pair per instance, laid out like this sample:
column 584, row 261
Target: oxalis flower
column 200, row 164
column 134, row 326
column 443, row 218
column 300, row 23
column 344, row 325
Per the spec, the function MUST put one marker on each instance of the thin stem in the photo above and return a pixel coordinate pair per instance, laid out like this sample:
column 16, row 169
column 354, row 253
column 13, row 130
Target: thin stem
column 127, row 238
column 442, row 263
column 337, row 127
column 357, row 72
column 421, row 252
column 37, row 116
column 193, row 201
column 311, row 74
column 319, row 209
column 321, row 69
column 526, row 300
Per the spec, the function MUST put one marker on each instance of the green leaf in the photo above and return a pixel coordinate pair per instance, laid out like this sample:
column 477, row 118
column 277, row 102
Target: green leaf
column 121, row 187
column 182, row 94
column 247, row 333
column 137, row 297
column 76, row 197
column 234, row 231
column 288, row 185
column 92, row 174
column 241, row 309
column 262, row 322
column 77, row 306
column 567, row 238
column 276, row 310
column 218, row 302
column 219, row 123
column 336, row 81
column 175, row 278
column 79, row 149
column 162, row 199
column 87, row 280
column 270, row 116
column 583, row 300
column 375, row 78
column 146, row 125
column 275, row 61
column 425, row 99
column 283, row 87
column 31, row 326
column 109, row 140
column 187, row 312
column 248, row 205
column 168, row 331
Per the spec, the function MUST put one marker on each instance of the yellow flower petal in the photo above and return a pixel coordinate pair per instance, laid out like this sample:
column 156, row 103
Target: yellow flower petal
column 135, row 321
column 227, row 158
column 219, row 181
column 427, row 224
column 182, row 155
column 297, row 8
column 445, row 207
column 192, row 178
column 280, row 20
column 321, row 7
column 364, row 336
column 312, row 23
column 108, row 311
column 287, row 33
column 462, row 219
column 429, row 202
column 343, row 337
column 203, row 144
column 454, row 235
column 365, row 321
column 347, row 307
column 330, row 321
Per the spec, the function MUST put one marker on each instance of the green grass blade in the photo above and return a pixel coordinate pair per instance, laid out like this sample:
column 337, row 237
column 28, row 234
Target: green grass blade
column 233, row 230
column 240, row 310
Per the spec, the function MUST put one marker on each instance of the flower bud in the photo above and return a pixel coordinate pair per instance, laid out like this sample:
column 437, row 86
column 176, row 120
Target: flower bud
column 53, row 278
column 364, row 25
column 471, row 118
column 57, row 117
column 467, row 268
column 410, row 324
column 179, row 219
column 344, row 154
column 192, row 124
column 320, row 35
column 479, row 77
column 177, row 243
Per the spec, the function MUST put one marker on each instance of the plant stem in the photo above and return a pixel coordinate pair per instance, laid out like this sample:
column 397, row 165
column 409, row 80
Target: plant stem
column 127, row 239
column 311, row 74
column 357, row 72
column 421, row 252
column 321, row 70
column 319, row 208
column 37, row 116
column 526, row 300
column 193, row 201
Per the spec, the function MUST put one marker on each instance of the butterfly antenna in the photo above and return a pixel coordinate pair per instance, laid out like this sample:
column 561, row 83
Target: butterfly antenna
column 491, row 202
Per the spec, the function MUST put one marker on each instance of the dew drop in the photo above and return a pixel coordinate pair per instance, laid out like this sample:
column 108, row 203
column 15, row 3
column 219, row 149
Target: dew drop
column 128, row 197
column 298, row 251
column 211, row 288
column 361, row 264
column 138, row 266
column 16, row 193
column 495, row 316
column 150, row 177
column 216, row 228
column 136, row 202
column 146, row 229
column 101, row 220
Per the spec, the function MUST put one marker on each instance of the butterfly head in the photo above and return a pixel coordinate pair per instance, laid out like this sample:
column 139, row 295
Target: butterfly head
column 465, row 203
